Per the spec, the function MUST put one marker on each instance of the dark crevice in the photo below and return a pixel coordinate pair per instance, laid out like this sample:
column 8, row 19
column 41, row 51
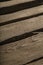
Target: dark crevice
column 34, row 60
column 20, row 19
column 4, row 0
column 21, row 37
column 19, row 7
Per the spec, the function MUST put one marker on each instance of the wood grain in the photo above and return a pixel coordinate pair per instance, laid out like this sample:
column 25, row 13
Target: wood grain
column 26, row 51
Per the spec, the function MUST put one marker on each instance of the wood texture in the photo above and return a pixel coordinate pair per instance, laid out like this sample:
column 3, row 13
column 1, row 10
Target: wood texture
column 21, row 35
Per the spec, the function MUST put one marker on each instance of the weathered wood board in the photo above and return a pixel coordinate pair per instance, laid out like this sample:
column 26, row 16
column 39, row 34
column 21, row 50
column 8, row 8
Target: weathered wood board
column 21, row 34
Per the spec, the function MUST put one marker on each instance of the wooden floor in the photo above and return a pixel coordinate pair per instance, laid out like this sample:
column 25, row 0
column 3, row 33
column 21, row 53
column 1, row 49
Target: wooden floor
column 21, row 32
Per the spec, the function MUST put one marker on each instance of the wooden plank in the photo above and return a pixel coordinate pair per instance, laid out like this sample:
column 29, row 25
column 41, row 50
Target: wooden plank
column 22, row 27
column 28, row 50
column 23, row 51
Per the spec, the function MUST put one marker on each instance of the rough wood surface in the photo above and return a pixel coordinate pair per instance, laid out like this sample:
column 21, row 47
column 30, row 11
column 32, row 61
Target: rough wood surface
column 21, row 34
